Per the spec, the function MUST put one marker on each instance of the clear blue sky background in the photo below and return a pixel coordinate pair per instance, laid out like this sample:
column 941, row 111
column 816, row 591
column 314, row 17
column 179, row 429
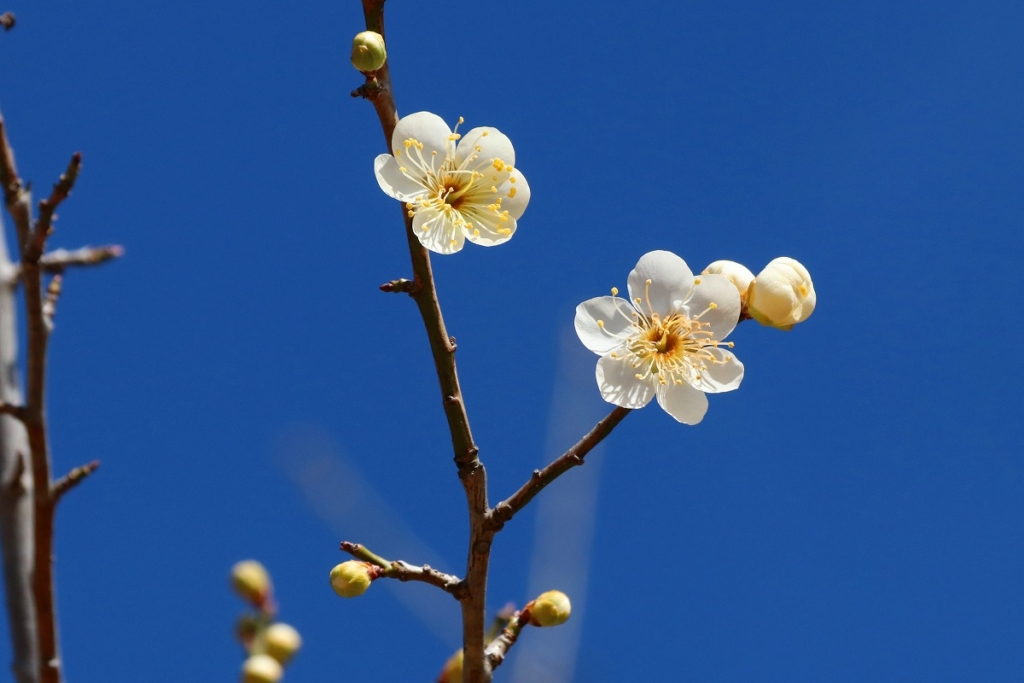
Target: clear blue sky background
column 855, row 512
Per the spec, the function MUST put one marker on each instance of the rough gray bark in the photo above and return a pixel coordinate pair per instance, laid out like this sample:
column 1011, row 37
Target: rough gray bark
column 16, row 501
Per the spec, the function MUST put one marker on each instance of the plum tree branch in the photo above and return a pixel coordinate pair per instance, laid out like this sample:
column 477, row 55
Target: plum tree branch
column 403, row 571
column 506, row 509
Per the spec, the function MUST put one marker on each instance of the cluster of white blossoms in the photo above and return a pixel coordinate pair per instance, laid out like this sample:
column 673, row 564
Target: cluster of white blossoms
column 667, row 340
column 455, row 187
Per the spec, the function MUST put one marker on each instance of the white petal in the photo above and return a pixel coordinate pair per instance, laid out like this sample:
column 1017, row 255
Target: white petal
column 429, row 129
column 493, row 145
column 488, row 235
column 717, row 290
column 441, row 235
column 395, row 183
column 617, row 317
column 616, row 378
column 671, row 282
column 515, row 205
column 490, row 229
column 723, row 376
column 683, row 402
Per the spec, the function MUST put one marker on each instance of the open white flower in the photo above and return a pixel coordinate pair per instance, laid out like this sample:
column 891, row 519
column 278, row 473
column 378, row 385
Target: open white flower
column 455, row 187
column 666, row 340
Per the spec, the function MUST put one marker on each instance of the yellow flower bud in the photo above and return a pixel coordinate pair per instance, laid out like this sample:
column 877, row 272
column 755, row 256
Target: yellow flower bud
column 737, row 273
column 261, row 669
column 351, row 579
column 368, row 51
column 550, row 609
column 251, row 581
column 452, row 672
column 782, row 294
column 281, row 642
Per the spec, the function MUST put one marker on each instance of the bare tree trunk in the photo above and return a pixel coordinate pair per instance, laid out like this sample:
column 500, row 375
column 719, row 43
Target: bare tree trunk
column 16, row 500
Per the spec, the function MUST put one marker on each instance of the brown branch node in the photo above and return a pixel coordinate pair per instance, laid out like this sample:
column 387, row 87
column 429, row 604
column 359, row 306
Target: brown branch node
column 7, row 20
column 401, row 285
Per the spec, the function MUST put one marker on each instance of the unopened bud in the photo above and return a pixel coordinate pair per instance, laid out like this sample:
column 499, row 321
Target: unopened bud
column 452, row 672
column 282, row 641
column 261, row 669
column 737, row 273
column 351, row 579
column 251, row 581
column 368, row 51
column 782, row 294
column 550, row 609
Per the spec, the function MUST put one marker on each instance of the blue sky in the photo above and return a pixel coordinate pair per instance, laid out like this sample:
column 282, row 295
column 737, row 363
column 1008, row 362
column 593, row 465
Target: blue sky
column 853, row 512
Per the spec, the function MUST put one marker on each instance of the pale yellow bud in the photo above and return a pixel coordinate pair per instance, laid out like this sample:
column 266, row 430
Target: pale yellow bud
column 782, row 294
column 251, row 581
column 261, row 669
column 351, row 579
column 282, row 642
column 550, row 609
column 368, row 51
column 452, row 672
column 737, row 273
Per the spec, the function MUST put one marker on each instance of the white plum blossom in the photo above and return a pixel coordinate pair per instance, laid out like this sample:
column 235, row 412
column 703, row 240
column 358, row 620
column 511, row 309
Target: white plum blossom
column 666, row 340
column 455, row 187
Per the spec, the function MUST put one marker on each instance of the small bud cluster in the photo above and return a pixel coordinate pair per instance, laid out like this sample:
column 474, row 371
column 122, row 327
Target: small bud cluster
column 780, row 296
column 269, row 644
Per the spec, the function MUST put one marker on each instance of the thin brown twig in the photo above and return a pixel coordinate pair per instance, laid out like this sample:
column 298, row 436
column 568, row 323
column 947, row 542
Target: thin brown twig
column 47, row 207
column 17, row 198
column 57, row 260
column 73, row 479
column 506, row 509
column 403, row 571
column 498, row 648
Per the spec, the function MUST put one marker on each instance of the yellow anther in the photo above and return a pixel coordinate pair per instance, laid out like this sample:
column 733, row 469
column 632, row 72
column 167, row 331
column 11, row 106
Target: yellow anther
column 493, row 188
column 696, row 280
column 454, row 136
column 615, row 291
column 410, row 213
column 600, row 323
column 498, row 164
column 476, row 232
column 403, row 169
column 731, row 344
column 434, row 153
column 638, row 376
column 461, row 120
column 648, row 281
column 419, row 145
column 613, row 354
column 512, row 179
column 712, row 305
column 484, row 134
column 511, row 192
column 398, row 153
column 454, row 242
column 409, row 143
column 477, row 148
